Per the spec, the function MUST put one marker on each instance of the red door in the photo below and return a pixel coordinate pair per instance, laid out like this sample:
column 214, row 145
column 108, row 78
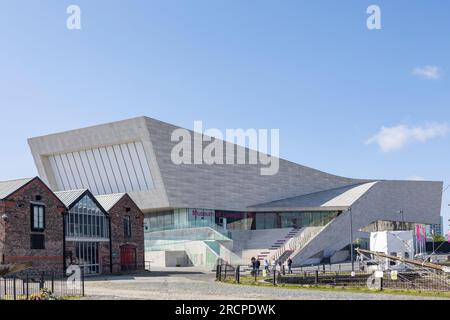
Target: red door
column 128, row 257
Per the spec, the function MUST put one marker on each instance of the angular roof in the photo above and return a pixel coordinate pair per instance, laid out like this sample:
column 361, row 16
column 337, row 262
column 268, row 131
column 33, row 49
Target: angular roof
column 108, row 201
column 333, row 199
column 9, row 187
column 69, row 197
column 231, row 187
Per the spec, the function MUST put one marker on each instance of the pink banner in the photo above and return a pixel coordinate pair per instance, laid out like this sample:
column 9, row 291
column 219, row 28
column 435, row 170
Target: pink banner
column 417, row 232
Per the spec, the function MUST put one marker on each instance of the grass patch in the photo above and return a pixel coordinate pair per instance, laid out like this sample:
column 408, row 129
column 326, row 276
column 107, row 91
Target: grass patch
column 250, row 281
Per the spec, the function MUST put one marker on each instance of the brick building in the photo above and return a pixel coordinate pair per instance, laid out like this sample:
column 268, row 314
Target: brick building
column 87, row 232
column 103, row 234
column 127, row 231
column 31, row 225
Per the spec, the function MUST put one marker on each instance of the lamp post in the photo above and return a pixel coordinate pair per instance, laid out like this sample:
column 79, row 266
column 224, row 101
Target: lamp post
column 403, row 218
column 351, row 238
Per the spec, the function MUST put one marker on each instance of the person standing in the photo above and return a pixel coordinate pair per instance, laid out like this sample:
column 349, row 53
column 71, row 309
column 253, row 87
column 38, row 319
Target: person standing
column 253, row 261
column 266, row 266
column 289, row 263
column 258, row 265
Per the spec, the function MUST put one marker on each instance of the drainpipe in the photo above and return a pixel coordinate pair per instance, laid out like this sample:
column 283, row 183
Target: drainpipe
column 64, row 243
column 110, row 247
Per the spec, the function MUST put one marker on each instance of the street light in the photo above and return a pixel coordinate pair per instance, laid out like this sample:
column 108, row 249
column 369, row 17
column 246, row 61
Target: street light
column 351, row 238
column 403, row 218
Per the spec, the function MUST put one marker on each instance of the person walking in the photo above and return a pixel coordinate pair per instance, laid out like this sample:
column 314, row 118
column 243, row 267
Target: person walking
column 289, row 263
column 253, row 261
column 257, row 265
column 280, row 267
column 266, row 266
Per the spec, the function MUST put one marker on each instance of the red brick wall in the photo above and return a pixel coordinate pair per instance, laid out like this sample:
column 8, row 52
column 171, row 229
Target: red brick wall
column 117, row 231
column 16, row 232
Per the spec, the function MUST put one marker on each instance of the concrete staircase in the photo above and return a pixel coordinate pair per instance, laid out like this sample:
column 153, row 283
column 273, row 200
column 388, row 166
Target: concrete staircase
column 262, row 244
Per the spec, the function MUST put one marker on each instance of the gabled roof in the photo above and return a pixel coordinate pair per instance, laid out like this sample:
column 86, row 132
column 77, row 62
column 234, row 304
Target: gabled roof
column 333, row 199
column 108, row 201
column 71, row 196
column 9, row 187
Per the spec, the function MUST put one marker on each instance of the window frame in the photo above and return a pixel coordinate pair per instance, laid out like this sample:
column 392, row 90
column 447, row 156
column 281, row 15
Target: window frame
column 33, row 227
column 39, row 236
column 127, row 231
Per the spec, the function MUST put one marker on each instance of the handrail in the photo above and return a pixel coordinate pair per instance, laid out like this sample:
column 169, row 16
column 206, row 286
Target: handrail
column 298, row 242
column 191, row 225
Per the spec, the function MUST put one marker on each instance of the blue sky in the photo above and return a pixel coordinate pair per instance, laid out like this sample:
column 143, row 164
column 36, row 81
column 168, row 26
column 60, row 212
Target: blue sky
column 310, row 68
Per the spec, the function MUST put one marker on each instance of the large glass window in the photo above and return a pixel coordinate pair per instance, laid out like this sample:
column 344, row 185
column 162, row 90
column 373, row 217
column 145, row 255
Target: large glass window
column 86, row 255
column 86, row 220
column 268, row 220
column 159, row 221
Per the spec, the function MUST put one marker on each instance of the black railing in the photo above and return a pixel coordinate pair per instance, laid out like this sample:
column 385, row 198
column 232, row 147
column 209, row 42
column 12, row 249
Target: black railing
column 420, row 280
column 40, row 286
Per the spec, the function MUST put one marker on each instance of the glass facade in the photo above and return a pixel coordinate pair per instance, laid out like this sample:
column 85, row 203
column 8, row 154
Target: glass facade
column 294, row 219
column 232, row 220
column 86, row 254
column 86, row 220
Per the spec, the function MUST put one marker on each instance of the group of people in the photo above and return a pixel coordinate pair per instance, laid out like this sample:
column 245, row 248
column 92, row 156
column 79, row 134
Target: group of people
column 273, row 266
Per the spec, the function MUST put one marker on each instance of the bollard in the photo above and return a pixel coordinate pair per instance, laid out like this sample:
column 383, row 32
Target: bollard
column 275, row 278
column 53, row 282
column 82, row 282
column 217, row 272
column 316, row 278
column 238, row 274
column 28, row 288
column 14, row 289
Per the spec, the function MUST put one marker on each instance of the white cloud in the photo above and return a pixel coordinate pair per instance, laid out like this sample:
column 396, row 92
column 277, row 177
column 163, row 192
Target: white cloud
column 394, row 138
column 428, row 72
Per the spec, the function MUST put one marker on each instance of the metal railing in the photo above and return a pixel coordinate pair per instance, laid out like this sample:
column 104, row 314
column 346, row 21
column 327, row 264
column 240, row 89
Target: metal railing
column 191, row 225
column 297, row 243
column 408, row 280
column 33, row 286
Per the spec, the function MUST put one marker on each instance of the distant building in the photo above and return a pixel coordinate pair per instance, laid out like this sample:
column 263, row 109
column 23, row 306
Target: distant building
column 436, row 229
column 399, row 244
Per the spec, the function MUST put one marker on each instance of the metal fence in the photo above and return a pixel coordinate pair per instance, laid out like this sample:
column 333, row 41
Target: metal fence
column 226, row 272
column 421, row 280
column 31, row 286
column 415, row 280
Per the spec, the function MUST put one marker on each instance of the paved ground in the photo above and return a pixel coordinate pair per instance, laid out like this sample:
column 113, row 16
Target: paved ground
column 193, row 284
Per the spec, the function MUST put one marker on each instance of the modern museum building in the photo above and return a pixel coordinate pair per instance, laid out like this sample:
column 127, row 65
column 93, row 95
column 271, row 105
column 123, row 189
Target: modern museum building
column 197, row 213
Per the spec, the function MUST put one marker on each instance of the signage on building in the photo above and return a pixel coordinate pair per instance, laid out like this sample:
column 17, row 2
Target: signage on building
column 230, row 215
column 202, row 213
